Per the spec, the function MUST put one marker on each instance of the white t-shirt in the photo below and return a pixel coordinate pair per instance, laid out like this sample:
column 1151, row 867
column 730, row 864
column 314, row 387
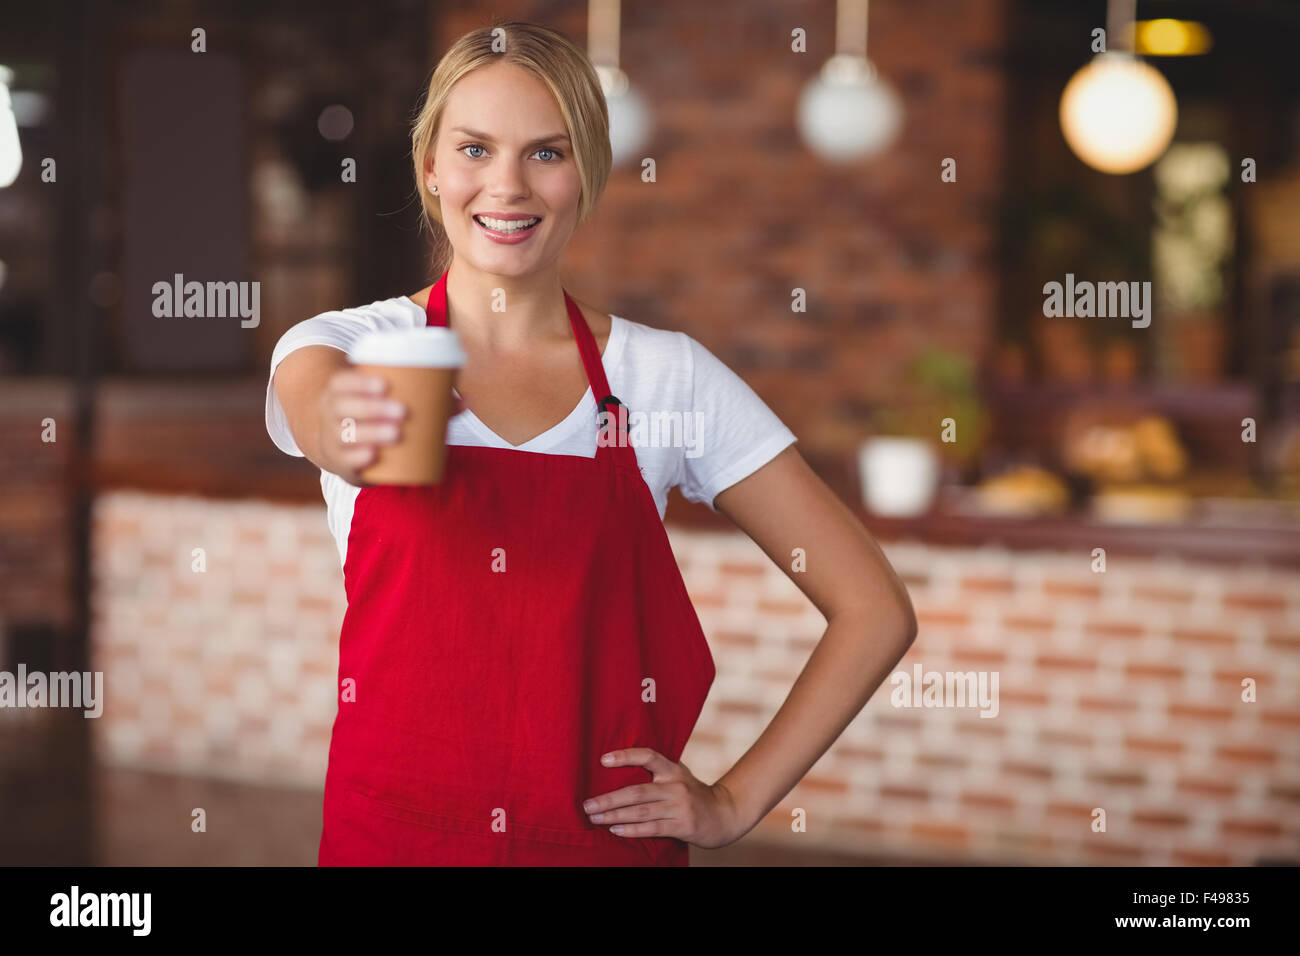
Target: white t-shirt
column 693, row 423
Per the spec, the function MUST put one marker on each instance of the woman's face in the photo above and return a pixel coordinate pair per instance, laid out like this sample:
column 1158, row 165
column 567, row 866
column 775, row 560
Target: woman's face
column 502, row 148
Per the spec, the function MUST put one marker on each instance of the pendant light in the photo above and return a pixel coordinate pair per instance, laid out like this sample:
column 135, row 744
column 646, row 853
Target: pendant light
column 1118, row 113
column 629, row 117
column 11, row 153
column 847, row 112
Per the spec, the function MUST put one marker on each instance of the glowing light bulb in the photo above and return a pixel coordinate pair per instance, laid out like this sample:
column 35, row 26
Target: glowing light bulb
column 1118, row 114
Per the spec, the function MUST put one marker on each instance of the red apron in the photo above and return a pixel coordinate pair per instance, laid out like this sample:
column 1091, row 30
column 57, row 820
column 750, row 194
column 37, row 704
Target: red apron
column 504, row 629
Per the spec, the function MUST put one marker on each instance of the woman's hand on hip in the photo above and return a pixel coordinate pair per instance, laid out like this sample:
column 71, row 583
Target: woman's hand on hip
column 674, row 804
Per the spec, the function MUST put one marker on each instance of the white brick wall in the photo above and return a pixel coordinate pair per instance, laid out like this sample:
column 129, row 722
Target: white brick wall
column 1118, row 690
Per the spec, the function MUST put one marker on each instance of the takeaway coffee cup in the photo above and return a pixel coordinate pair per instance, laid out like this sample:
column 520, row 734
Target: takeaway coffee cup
column 419, row 365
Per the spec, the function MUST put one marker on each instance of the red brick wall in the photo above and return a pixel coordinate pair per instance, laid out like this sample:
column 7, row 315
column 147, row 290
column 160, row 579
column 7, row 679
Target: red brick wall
column 742, row 212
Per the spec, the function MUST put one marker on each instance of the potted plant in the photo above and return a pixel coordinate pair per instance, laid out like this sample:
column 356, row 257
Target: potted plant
column 937, row 424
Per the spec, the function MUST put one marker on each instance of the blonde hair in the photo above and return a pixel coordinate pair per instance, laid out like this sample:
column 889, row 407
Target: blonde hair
column 556, row 61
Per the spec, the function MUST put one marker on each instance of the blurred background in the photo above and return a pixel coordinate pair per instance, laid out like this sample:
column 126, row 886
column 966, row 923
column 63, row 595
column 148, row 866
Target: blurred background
column 858, row 210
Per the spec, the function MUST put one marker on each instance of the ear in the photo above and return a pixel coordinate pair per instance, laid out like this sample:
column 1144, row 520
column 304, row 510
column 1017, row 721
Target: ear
column 430, row 174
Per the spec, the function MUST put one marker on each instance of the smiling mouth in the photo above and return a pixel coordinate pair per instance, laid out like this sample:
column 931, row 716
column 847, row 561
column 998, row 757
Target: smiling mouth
column 505, row 227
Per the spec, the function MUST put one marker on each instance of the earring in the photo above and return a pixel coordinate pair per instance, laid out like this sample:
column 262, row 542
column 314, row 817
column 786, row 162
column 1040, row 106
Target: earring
column 433, row 189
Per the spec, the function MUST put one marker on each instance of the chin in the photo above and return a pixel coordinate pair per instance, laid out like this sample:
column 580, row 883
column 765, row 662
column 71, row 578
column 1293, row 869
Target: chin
column 508, row 265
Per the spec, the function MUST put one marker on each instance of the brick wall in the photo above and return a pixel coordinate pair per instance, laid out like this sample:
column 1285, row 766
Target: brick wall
column 229, row 672
column 891, row 258
column 1119, row 691
column 741, row 213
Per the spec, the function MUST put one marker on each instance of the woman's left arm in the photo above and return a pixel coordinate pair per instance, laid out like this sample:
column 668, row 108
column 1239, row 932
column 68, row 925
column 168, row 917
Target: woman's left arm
column 870, row 625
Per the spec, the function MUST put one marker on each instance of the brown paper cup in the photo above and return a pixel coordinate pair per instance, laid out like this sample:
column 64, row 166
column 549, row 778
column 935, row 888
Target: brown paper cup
column 419, row 366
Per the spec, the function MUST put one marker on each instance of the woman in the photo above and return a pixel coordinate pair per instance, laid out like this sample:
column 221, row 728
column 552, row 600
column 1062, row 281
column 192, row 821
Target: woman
column 520, row 665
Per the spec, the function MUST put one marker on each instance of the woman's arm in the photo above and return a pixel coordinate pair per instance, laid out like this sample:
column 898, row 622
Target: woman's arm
column 870, row 622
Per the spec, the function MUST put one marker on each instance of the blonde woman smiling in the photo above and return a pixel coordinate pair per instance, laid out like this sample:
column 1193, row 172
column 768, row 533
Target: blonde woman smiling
column 527, row 666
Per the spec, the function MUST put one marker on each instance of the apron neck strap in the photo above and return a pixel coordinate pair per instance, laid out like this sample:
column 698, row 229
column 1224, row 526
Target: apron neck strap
column 435, row 313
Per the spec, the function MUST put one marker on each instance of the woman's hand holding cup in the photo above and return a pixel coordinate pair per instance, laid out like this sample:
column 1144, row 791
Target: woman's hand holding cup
column 357, row 419
column 392, row 405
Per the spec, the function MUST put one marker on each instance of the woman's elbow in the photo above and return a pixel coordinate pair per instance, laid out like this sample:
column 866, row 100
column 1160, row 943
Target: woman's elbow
column 906, row 628
column 893, row 621
column 901, row 615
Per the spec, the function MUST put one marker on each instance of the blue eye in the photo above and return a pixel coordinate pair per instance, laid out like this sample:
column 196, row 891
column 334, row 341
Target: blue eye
column 545, row 149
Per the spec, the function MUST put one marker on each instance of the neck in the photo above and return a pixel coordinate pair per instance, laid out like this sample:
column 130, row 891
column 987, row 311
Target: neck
column 505, row 313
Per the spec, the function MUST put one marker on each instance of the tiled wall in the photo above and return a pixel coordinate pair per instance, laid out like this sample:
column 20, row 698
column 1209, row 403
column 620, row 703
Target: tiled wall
column 229, row 671
column 1120, row 691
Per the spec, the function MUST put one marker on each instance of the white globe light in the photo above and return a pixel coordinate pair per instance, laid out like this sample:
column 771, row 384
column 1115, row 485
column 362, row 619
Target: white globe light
column 1118, row 114
column 11, row 152
column 629, row 117
column 847, row 112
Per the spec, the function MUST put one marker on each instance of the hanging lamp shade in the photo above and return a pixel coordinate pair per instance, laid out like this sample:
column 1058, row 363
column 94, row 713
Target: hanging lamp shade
column 848, row 112
column 630, row 119
column 1118, row 113
column 11, row 153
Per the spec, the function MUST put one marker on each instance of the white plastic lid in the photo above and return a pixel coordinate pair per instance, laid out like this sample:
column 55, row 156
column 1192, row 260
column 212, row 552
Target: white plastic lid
column 427, row 346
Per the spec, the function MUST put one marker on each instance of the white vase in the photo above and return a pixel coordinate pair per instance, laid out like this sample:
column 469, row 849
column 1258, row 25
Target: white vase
column 898, row 476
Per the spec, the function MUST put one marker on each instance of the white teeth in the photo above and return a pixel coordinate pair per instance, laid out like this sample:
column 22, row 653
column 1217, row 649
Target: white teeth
column 506, row 225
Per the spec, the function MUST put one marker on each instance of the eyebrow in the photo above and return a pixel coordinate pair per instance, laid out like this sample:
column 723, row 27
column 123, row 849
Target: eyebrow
column 556, row 137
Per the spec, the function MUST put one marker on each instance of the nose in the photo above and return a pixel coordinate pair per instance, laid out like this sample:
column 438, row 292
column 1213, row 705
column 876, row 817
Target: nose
column 506, row 181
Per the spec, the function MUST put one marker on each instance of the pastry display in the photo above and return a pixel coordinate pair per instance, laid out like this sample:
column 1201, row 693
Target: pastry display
column 1117, row 452
column 1024, row 490
column 1141, row 504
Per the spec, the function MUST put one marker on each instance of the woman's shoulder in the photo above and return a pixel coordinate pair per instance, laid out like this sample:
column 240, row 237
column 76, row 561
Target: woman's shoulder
column 395, row 313
column 646, row 339
column 399, row 311
column 656, row 365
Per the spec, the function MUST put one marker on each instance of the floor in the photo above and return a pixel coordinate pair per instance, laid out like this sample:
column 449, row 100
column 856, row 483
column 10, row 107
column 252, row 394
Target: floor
column 60, row 810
